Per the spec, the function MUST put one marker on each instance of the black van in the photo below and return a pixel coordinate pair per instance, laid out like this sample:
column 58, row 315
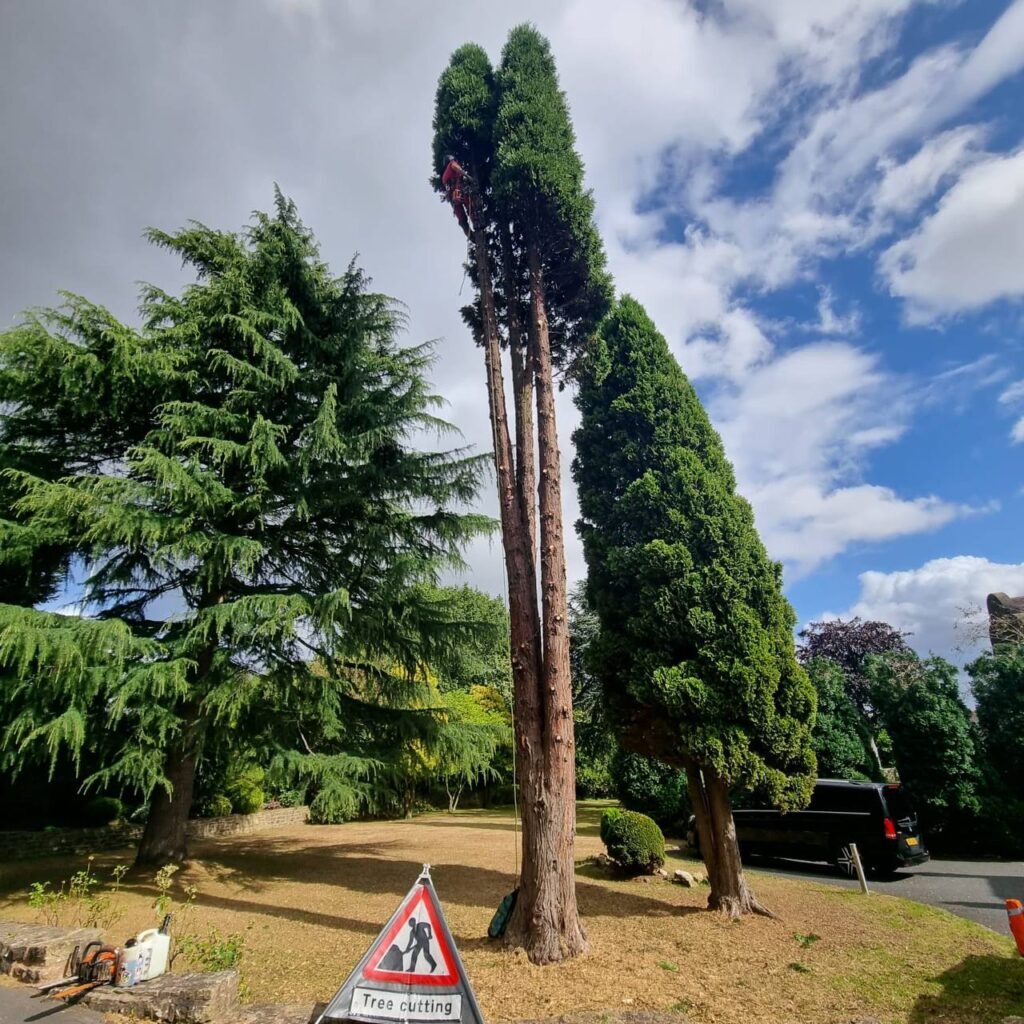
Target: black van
column 876, row 816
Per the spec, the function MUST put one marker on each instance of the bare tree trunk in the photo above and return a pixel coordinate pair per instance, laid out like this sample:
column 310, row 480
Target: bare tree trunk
column 719, row 848
column 522, row 392
column 164, row 838
column 536, row 924
column 546, row 918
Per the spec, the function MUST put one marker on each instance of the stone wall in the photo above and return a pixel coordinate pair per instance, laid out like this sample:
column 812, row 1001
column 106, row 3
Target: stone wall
column 37, row 953
column 30, row 845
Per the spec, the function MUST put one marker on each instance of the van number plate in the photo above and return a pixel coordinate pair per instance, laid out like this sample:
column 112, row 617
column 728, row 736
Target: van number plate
column 912, row 841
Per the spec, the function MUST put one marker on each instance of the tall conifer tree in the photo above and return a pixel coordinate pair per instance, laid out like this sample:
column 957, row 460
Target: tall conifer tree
column 696, row 645
column 532, row 221
column 276, row 504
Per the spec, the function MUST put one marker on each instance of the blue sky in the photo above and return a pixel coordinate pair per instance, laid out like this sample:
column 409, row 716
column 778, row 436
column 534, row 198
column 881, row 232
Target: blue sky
column 821, row 203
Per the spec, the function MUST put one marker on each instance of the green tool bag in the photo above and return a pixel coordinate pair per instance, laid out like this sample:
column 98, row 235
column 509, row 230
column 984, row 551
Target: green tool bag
column 500, row 920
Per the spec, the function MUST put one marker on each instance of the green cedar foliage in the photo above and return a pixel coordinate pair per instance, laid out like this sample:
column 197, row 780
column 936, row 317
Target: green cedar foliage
column 276, row 502
column 696, row 643
column 76, row 389
column 595, row 739
column 464, row 110
column 840, row 737
column 479, row 654
column 651, row 787
column 537, row 179
column 935, row 744
column 997, row 681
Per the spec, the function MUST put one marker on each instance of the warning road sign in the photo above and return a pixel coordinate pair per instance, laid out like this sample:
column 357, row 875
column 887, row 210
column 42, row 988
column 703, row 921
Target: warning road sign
column 412, row 950
column 411, row 974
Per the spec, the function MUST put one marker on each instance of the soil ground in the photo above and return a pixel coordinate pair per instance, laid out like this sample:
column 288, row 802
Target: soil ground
column 309, row 900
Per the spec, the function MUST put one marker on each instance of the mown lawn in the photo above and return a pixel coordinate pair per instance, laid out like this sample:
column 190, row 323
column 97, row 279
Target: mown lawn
column 308, row 900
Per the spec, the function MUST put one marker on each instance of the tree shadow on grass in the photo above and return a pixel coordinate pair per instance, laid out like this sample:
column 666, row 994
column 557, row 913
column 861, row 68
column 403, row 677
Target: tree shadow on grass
column 979, row 990
column 261, row 863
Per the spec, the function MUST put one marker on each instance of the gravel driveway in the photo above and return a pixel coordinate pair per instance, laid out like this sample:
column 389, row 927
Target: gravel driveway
column 974, row 889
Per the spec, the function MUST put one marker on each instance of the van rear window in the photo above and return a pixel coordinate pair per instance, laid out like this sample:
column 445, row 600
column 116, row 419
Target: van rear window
column 848, row 799
column 898, row 803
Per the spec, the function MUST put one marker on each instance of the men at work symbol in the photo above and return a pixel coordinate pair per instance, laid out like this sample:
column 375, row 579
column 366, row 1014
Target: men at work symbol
column 420, row 934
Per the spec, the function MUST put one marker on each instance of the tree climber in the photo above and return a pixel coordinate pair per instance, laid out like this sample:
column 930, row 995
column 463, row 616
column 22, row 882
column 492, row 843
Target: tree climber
column 454, row 181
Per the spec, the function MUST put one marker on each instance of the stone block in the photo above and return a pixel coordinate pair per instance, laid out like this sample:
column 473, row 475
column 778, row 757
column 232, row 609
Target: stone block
column 38, row 953
column 173, row 999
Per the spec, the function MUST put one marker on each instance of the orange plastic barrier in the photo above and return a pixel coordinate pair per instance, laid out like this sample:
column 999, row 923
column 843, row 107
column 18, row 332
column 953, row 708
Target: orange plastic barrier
column 1015, row 912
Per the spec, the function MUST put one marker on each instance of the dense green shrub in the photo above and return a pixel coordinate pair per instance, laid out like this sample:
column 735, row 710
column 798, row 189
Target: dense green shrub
column 218, row 806
column 634, row 841
column 102, row 810
column 608, row 820
column 245, row 789
column 652, row 788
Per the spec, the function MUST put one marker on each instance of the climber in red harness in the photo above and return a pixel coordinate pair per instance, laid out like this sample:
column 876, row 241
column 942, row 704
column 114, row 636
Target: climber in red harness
column 454, row 182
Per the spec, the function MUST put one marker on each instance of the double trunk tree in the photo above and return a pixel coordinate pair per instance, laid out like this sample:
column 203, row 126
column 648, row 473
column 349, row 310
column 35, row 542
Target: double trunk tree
column 533, row 222
column 695, row 648
column 255, row 552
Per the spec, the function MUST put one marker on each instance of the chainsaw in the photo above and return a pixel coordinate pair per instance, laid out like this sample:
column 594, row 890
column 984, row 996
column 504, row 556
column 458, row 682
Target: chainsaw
column 95, row 965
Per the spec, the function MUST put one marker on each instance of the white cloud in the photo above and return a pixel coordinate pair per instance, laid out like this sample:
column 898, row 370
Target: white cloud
column 829, row 321
column 333, row 100
column 1017, row 433
column 1013, row 394
column 905, row 186
column 799, row 459
column 930, row 601
column 971, row 250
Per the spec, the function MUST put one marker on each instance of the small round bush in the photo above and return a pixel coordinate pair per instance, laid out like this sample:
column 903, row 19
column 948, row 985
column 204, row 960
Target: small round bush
column 218, row 806
column 634, row 842
column 102, row 810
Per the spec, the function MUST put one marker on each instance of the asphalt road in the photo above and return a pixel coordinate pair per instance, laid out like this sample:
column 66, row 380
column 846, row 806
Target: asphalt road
column 974, row 889
column 18, row 1007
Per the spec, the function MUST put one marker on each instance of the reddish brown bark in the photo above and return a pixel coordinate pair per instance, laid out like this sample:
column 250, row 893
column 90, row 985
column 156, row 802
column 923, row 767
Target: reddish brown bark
column 546, row 918
column 730, row 894
column 522, row 581
column 522, row 392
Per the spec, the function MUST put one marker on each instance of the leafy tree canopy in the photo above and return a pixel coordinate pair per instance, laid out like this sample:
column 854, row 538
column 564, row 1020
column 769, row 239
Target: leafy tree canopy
column 479, row 653
column 933, row 740
column 849, row 644
column 274, row 499
column 696, row 648
column 538, row 184
column 840, row 732
column 997, row 681
column 464, row 111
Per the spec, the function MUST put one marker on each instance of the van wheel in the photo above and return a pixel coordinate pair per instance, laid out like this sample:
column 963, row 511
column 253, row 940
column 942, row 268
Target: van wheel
column 842, row 857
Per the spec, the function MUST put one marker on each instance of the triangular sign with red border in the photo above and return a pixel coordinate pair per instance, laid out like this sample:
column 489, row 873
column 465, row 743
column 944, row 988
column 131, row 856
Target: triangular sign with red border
column 414, row 941
column 412, row 973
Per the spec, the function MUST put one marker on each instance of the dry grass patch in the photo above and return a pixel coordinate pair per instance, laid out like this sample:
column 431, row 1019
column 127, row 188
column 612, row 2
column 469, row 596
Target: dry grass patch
column 308, row 900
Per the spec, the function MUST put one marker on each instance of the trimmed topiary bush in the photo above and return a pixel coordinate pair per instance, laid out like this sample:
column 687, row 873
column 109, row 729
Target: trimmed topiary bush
column 634, row 841
column 218, row 806
column 608, row 819
column 102, row 810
